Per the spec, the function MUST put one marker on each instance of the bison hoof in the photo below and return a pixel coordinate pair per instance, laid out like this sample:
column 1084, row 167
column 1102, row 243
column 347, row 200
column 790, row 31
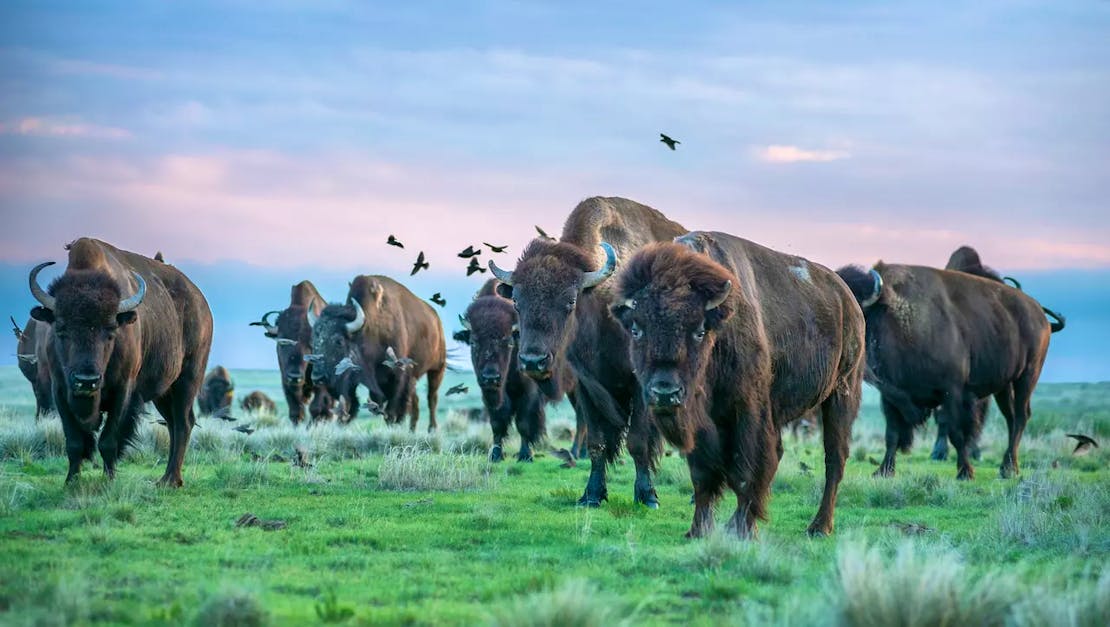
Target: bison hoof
column 522, row 457
column 939, row 455
column 976, row 454
column 170, row 482
column 495, row 454
column 1007, row 472
column 965, row 474
column 589, row 500
column 695, row 533
column 883, row 472
column 819, row 531
column 650, row 501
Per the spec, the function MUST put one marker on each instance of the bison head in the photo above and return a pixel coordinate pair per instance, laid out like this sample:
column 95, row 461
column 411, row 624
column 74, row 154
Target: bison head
column 333, row 334
column 217, row 392
column 544, row 289
column 86, row 309
column 293, row 335
column 490, row 328
column 672, row 301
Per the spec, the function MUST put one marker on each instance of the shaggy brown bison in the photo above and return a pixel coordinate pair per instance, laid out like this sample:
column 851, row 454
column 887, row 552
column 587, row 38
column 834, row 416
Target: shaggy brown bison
column 216, row 393
column 940, row 340
column 352, row 344
column 732, row 341
column 293, row 335
column 30, row 347
column 490, row 329
column 124, row 330
column 563, row 303
column 258, row 402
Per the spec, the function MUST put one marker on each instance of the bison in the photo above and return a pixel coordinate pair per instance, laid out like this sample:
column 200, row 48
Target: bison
column 490, row 329
column 30, row 347
column 352, row 343
column 559, row 290
column 258, row 402
column 293, row 335
column 124, row 330
column 942, row 339
column 216, row 393
column 731, row 341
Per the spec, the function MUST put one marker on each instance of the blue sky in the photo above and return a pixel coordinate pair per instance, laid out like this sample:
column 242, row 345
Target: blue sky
column 261, row 143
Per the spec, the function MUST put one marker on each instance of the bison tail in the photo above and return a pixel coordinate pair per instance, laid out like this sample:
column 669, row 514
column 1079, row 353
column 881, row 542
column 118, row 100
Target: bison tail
column 866, row 285
column 1012, row 281
column 1058, row 325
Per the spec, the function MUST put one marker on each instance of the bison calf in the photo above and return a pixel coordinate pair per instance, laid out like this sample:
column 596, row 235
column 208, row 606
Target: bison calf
column 216, row 393
column 258, row 402
column 732, row 341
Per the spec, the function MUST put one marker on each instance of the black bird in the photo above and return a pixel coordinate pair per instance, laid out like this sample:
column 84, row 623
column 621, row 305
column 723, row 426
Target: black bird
column 543, row 233
column 438, row 299
column 16, row 329
column 247, row 429
column 393, row 241
column 496, row 249
column 224, row 414
column 806, row 470
column 668, row 141
column 375, row 408
column 1085, row 443
column 393, row 361
column 457, row 389
column 470, row 252
column 474, row 267
column 419, row 265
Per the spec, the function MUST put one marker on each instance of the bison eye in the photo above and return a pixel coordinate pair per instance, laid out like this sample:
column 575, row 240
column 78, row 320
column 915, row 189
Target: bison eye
column 636, row 331
column 699, row 335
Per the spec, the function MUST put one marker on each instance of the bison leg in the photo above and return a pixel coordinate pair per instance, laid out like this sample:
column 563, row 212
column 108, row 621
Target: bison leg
column 604, row 445
column 295, row 401
column 179, row 406
column 899, row 435
column 705, row 464
column 118, row 428
column 643, row 445
column 414, row 407
column 530, row 425
column 957, row 411
column 578, row 448
column 1022, row 393
column 80, row 444
column 750, row 471
column 940, row 447
column 499, row 422
column 837, row 415
column 435, row 378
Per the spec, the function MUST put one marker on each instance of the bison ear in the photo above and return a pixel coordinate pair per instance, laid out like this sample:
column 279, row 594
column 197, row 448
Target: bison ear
column 126, row 317
column 462, row 336
column 42, row 314
column 718, row 309
column 504, row 290
column 622, row 311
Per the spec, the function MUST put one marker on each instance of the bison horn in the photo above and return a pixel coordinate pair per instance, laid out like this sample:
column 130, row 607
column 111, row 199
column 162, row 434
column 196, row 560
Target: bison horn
column 630, row 303
column 874, row 298
column 505, row 276
column 595, row 278
column 312, row 317
column 46, row 300
column 28, row 358
column 360, row 317
column 284, row 341
column 132, row 302
column 464, row 322
column 716, row 301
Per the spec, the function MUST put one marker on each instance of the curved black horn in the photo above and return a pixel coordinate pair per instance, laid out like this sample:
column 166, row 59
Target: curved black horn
column 720, row 298
column 874, row 298
column 505, row 276
column 132, row 302
column 360, row 317
column 46, row 300
column 595, row 278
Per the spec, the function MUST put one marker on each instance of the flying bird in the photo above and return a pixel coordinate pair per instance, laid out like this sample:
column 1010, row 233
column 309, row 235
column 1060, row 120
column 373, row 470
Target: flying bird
column 564, row 454
column 419, row 265
column 496, row 249
column 16, row 330
column 344, row 365
column 543, row 233
column 224, row 414
column 663, row 137
column 474, row 267
column 393, row 241
column 470, row 252
column 438, row 299
column 457, row 389
column 398, row 363
column 247, row 429
column 806, row 469
column 1084, row 443
column 375, row 408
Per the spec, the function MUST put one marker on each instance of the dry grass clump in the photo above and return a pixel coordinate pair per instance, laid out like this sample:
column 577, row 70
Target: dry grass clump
column 415, row 468
column 575, row 603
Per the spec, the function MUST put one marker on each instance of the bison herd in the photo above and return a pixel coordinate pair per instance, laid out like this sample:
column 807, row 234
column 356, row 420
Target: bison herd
column 709, row 342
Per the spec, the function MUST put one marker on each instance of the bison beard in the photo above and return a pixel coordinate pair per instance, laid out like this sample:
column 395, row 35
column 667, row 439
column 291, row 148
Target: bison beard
column 109, row 352
column 731, row 341
column 923, row 327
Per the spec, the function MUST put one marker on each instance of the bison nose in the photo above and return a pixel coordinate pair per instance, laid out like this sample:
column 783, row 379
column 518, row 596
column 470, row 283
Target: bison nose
column 666, row 394
column 535, row 366
column 490, row 378
column 84, row 384
column 294, row 379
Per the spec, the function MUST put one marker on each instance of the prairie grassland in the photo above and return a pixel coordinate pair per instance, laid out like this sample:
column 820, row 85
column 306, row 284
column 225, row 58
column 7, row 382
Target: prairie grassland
column 383, row 526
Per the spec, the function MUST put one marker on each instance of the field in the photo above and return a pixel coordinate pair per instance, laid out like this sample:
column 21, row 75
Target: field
column 387, row 527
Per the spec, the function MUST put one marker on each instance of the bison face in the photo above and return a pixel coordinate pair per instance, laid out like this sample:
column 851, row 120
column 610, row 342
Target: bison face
column 333, row 342
column 544, row 289
column 290, row 355
column 217, row 394
column 491, row 331
column 86, row 312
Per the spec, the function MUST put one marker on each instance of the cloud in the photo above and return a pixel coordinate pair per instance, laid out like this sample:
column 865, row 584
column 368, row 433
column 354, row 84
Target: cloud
column 793, row 154
column 48, row 127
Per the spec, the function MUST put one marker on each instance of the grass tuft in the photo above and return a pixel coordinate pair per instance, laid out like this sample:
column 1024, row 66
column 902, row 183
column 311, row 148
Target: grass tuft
column 575, row 603
column 232, row 609
column 415, row 468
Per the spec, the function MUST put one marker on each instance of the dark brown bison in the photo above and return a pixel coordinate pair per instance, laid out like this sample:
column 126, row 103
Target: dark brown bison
column 732, row 341
column 216, row 393
column 563, row 302
column 940, row 340
column 293, row 335
column 490, row 329
column 385, row 338
column 125, row 330
column 30, row 351
column 258, row 402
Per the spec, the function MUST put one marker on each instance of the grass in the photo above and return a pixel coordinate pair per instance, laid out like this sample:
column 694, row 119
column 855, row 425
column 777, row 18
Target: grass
column 384, row 526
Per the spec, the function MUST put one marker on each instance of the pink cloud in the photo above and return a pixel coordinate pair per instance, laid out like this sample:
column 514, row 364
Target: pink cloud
column 793, row 154
column 47, row 127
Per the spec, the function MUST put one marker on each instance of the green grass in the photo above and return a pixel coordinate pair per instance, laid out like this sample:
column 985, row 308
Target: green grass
column 388, row 527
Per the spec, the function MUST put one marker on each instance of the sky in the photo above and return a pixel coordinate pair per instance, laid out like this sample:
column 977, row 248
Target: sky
column 259, row 144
